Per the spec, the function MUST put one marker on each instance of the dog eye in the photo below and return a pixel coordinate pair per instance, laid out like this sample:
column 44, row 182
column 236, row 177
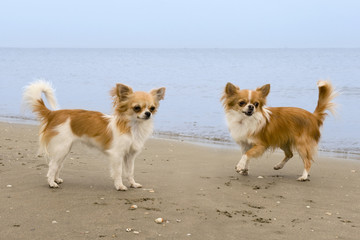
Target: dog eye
column 152, row 109
column 256, row 104
column 242, row 103
column 137, row 109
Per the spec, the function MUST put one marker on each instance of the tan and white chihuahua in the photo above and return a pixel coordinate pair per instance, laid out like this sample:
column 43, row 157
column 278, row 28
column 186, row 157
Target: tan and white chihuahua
column 120, row 136
column 256, row 127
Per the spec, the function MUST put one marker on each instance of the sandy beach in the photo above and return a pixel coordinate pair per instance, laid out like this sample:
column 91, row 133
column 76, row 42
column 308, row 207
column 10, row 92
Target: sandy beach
column 194, row 188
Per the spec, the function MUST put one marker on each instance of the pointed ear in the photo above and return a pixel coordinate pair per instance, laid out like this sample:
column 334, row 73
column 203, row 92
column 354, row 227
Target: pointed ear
column 264, row 90
column 122, row 91
column 230, row 89
column 158, row 94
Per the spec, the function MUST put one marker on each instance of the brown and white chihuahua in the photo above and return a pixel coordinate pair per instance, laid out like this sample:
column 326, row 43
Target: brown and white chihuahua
column 120, row 136
column 256, row 127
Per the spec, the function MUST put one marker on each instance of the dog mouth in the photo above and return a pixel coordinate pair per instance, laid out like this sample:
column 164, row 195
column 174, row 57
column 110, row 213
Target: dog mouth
column 144, row 118
column 249, row 113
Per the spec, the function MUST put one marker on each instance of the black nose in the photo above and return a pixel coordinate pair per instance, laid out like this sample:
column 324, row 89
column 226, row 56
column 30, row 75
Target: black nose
column 251, row 107
column 147, row 114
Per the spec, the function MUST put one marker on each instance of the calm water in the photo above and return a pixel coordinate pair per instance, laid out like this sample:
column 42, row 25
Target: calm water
column 194, row 79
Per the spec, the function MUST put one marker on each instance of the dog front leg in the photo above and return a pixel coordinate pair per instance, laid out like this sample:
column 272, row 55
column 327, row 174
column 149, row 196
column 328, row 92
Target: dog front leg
column 116, row 172
column 243, row 166
column 129, row 166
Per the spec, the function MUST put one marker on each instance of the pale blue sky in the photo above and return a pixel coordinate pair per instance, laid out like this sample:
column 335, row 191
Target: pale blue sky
column 180, row 23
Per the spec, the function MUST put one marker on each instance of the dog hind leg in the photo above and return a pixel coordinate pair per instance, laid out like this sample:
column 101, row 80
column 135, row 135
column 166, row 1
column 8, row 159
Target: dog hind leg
column 306, row 155
column 288, row 156
column 59, row 180
column 57, row 156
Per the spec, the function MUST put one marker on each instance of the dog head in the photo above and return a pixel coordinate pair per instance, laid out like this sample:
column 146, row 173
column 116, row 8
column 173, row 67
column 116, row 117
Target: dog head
column 136, row 105
column 245, row 102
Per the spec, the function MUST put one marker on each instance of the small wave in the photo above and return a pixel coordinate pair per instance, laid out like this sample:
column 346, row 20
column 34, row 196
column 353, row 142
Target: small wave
column 18, row 119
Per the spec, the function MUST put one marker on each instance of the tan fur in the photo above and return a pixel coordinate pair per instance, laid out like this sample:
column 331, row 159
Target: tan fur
column 83, row 123
column 287, row 128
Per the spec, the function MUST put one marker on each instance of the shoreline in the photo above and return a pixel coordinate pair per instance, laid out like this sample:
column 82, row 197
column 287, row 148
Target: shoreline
column 198, row 140
column 194, row 188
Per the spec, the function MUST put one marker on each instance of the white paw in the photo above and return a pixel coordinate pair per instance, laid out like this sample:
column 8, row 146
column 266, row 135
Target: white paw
column 243, row 172
column 121, row 187
column 278, row 166
column 303, row 179
column 136, row 185
column 53, row 185
column 59, row 180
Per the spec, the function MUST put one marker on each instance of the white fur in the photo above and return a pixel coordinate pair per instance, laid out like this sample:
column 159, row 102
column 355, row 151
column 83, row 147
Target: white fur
column 321, row 83
column 267, row 113
column 33, row 92
column 57, row 149
column 304, row 176
column 241, row 127
column 243, row 165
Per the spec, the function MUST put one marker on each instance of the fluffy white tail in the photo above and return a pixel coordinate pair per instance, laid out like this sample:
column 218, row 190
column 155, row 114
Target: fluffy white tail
column 32, row 94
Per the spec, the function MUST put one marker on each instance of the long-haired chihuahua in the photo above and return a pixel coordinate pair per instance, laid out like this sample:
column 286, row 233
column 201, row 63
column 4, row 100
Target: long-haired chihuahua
column 256, row 127
column 120, row 136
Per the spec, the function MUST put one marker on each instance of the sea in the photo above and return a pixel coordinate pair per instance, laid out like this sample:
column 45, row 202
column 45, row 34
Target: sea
column 194, row 81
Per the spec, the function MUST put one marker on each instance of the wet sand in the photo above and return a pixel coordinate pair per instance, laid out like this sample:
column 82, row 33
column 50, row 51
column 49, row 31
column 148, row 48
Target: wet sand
column 194, row 188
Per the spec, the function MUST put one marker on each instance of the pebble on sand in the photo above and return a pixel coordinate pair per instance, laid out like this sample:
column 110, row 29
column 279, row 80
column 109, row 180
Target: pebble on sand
column 133, row 207
column 159, row 220
column 9, row 186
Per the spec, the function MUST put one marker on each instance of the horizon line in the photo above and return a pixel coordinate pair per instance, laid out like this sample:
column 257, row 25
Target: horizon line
column 5, row 47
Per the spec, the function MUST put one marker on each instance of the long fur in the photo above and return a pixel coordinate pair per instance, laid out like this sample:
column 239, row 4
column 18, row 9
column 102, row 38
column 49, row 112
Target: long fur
column 257, row 129
column 120, row 136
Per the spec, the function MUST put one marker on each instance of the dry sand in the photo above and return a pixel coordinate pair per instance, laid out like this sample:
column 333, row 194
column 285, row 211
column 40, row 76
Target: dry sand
column 195, row 190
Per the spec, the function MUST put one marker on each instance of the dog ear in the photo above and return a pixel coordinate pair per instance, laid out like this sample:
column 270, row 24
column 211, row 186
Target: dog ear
column 230, row 89
column 264, row 90
column 122, row 91
column 158, row 94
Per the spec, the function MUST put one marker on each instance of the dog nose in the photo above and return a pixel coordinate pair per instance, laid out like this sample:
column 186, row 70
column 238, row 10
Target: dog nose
column 251, row 107
column 147, row 114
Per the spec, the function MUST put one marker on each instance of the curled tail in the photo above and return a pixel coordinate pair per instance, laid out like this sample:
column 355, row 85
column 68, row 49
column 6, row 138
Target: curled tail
column 32, row 97
column 326, row 95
